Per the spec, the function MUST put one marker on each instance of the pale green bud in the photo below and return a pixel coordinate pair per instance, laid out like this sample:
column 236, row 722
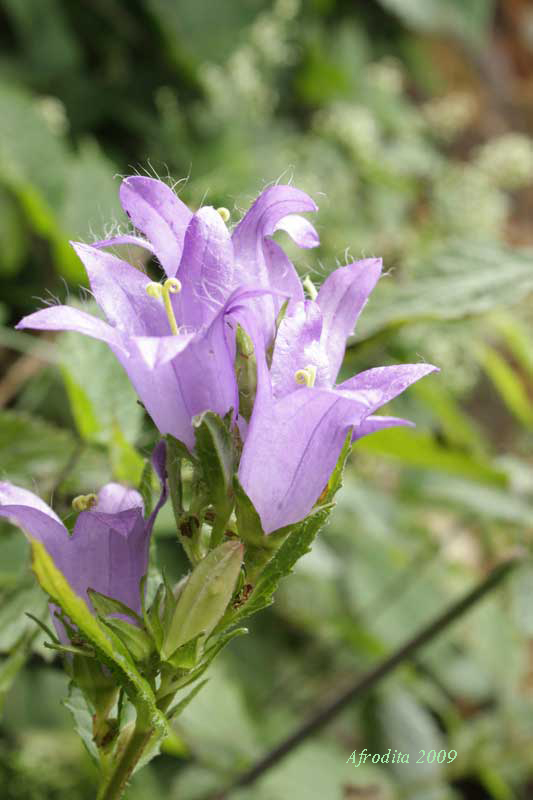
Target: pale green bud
column 206, row 595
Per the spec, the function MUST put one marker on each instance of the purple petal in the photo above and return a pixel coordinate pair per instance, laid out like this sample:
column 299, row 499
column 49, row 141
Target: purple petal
column 299, row 229
column 373, row 424
column 120, row 291
column 267, row 214
column 342, row 297
column 125, row 239
column 261, row 262
column 206, row 270
column 66, row 318
column 158, row 350
column 155, row 210
column 283, row 276
column 291, row 450
column 375, row 387
column 108, row 553
column 30, row 512
column 298, row 346
column 113, row 498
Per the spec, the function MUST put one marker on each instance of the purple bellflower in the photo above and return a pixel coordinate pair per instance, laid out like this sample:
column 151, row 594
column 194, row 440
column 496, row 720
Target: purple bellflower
column 109, row 547
column 174, row 339
column 301, row 417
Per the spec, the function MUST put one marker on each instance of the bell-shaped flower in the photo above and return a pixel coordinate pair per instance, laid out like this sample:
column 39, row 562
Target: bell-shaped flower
column 108, row 549
column 301, row 417
column 174, row 339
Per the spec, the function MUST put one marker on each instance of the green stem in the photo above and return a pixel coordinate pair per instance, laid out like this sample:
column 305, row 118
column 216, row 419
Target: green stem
column 116, row 781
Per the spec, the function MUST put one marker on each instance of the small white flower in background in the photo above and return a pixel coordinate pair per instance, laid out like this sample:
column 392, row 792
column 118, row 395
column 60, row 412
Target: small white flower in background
column 507, row 160
column 450, row 115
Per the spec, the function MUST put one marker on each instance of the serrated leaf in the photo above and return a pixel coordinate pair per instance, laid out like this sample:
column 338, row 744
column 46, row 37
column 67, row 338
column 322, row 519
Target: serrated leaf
column 468, row 278
column 419, row 449
column 107, row 644
column 83, row 719
column 297, row 544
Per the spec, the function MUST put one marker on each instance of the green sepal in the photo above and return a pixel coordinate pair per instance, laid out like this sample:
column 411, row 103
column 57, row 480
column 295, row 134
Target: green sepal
column 189, row 654
column 152, row 618
column 245, row 372
column 105, row 605
column 336, row 477
column 249, row 525
column 46, row 628
column 146, row 488
column 138, row 642
column 205, row 597
column 260, row 547
column 108, row 646
column 176, row 710
column 215, row 452
column 183, row 680
column 70, row 650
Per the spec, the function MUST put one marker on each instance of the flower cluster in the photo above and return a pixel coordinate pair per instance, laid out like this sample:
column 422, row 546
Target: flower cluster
column 177, row 339
column 238, row 369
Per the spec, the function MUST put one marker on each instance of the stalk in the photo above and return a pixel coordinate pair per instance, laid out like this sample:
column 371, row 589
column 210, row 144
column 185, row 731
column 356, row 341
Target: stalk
column 117, row 779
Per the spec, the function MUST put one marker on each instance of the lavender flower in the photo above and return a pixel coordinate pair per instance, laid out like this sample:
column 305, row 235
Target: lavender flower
column 108, row 549
column 301, row 418
column 175, row 339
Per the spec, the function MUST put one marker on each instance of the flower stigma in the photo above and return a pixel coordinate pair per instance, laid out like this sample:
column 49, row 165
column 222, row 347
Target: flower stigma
column 84, row 502
column 164, row 290
column 306, row 376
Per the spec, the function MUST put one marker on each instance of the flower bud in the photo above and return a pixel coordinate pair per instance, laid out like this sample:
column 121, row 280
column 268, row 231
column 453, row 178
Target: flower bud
column 206, row 595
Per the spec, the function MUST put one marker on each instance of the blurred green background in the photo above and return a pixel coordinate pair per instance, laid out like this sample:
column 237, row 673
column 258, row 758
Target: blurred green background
column 410, row 123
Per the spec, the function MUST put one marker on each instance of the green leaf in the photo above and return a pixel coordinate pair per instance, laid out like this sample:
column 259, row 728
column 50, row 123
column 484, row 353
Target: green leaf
column 139, row 644
column 469, row 279
column 508, row 384
column 126, row 462
column 469, row 20
column 215, row 452
column 34, row 452
column 104, row 605
column 108, row 646
column 205, row 597
column 297, row 544
column 105, row 403
column 249, row 524
column 11, row 666
column 83, row 719
column 176, row 710
column 421, row 450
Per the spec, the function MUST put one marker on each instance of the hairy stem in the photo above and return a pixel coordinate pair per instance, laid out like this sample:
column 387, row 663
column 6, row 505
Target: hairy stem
column 115, row 782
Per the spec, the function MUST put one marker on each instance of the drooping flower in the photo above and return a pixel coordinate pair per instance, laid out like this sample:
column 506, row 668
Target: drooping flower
column 301, row 417
column 175, row 339
column 109, row 547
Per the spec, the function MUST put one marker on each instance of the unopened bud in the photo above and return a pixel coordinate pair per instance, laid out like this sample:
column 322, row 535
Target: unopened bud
column 246, row 372
column 84, row 502
column 206, row 596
